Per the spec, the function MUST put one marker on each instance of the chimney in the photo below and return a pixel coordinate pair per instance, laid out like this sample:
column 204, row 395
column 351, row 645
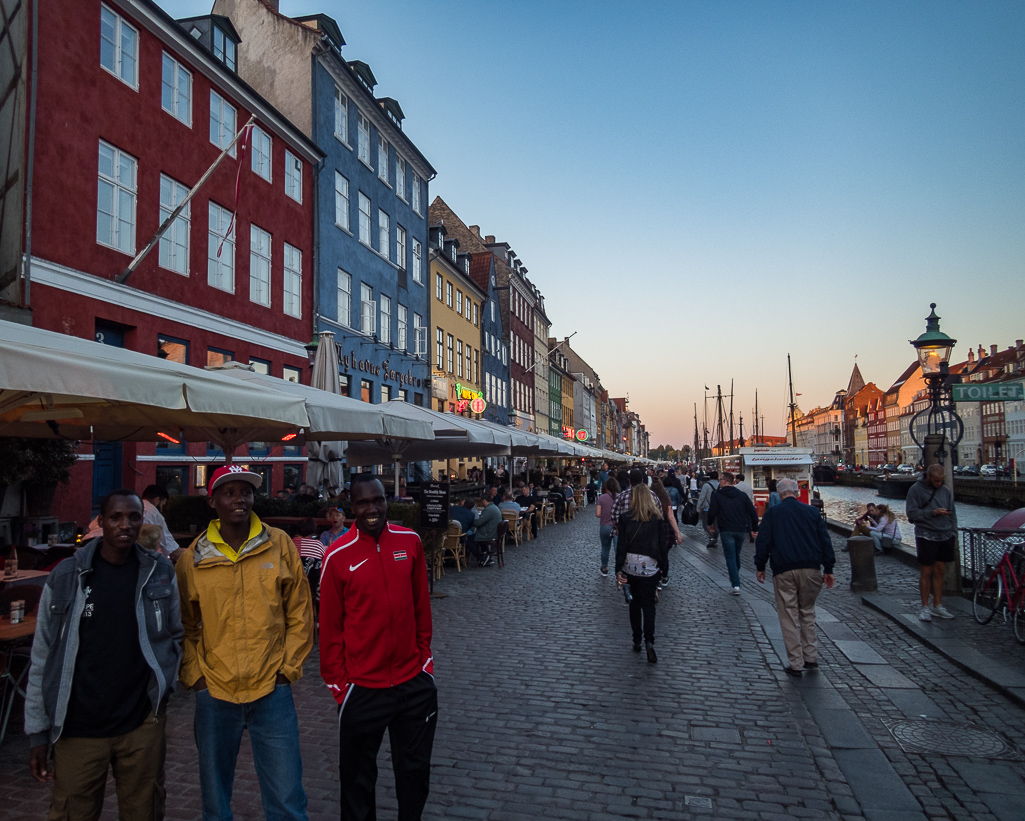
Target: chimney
column 475, row 230
column 992, row 350
column 971, row 356
column 982, row 353
column 1017, row 343
column 490, row 239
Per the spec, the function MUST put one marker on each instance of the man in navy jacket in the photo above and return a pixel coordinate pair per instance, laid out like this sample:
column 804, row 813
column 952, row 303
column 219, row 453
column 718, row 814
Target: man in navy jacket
column 794, row 539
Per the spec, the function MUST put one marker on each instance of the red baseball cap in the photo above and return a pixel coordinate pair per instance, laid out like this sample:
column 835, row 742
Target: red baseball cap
column 233, row 473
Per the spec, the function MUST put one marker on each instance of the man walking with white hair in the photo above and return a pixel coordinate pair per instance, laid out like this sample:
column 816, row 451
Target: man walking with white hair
column 793, row 538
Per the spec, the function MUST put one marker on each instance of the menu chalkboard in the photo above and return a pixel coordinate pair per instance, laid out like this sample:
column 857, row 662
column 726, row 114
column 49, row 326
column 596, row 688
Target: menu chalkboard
column 434, row 504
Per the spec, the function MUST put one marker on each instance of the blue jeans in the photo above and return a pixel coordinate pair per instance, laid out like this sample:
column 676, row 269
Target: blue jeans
column 731, row 547
column 605, row 534
column 274, row 735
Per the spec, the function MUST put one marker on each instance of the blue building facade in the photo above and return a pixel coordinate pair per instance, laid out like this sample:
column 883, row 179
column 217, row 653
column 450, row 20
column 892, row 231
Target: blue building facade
column 495, row 353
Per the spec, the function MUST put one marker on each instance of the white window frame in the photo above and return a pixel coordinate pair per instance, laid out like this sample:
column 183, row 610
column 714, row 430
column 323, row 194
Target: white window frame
column 448, row 294
column 363, row 138
column 292, row 286
column 364, row 219
column 123, row 198
column 221, row 133
column 475, row 315
column 342, row 204
column 418, row 262
column 229, row 57
column 419, row 335
column 263, row 151
column 173, row 253
column 293, row 176
column 382, row 158
column 401, row 327
column 219, row 268
column 181, row 101
column 449, row 353
column 384, row 327
column 439, row 339
column 400, row 177
column 120, row 66
column 342, row 117
column 260, row 250
column 343, row 299
column 400, row 246
column 459, row 358
column 439, row 287
column 383, row 234
column 459, row 301
column 368, row 309
column 417, row 195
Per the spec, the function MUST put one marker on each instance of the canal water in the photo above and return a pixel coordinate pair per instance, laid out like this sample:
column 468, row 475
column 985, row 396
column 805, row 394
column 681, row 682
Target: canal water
column 845, row 504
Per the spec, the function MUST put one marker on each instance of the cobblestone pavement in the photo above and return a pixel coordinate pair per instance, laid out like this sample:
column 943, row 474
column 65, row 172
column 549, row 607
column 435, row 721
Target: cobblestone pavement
column 546, row 713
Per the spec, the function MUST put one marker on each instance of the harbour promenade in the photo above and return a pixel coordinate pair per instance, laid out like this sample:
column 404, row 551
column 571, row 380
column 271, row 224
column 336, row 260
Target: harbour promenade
column 546, row 713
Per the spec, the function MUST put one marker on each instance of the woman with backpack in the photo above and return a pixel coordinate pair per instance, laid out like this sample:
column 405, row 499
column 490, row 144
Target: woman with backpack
column 640, row 563
column 885, row 532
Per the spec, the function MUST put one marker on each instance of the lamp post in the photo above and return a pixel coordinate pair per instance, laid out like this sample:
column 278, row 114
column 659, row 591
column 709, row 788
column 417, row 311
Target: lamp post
column 938, row 425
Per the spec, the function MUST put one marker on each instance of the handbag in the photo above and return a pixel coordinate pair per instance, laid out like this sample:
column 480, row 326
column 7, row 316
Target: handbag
column 689, row 514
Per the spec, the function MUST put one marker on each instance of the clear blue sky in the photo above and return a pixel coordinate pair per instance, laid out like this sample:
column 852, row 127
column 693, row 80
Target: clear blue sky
column 699, row 188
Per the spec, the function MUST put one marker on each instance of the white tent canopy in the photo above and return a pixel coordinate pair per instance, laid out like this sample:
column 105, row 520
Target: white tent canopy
column 52, row 384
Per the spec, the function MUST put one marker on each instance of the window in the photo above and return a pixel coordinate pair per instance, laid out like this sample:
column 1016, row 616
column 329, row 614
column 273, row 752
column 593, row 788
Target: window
column 382, row 158
column 115, row 199
column 419, row 335
column 417, row 196
column 293, row 281
column 384, row 234
column 448, row 294
column 474, row 313
column 400, row 327
column 400, row 246
column 366, row 390
column 259, row 265
column 176, row 89
column 119, row 47
column 260, row 365
column 364, row 218
column 341, row 116
column 222, row 122
column 217, row 356
column 173, row 350
column 293, row 176
column 290, row 374
column 438, row 283
column 174, row 244
column 448, row 352
column 224, row 48
column 418, row 271
column 400, row 176
column 459, row 302
column 220, row 268
column 441, row 349
column 344, row 385
column 363, row 137
column 368, row 310
column 459, row 358
column 467, row 359
column 492, row 310
column 385, row 333
column 385, row 393
column 341, row 202
column 343, row 309
column 476, row 367
column 261, row 153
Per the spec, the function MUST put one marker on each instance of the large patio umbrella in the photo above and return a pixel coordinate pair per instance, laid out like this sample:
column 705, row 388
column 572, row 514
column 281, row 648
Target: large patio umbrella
column 55, row 385
column 325, row 458
column 454, row 435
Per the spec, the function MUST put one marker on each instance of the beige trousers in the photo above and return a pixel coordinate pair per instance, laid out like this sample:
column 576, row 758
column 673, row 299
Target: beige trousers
column 796, row 591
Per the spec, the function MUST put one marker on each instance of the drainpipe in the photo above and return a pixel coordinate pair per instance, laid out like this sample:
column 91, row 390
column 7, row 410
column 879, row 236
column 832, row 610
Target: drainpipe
column 26, row 259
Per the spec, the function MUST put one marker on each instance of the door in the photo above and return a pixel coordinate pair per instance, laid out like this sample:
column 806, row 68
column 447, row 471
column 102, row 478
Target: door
column 107, row 456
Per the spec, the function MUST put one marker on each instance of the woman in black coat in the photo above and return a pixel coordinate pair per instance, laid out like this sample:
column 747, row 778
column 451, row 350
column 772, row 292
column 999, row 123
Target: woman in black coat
column 640, row 563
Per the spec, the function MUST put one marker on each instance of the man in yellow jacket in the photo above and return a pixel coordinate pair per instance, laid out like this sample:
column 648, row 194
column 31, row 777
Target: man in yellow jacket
column 248, row 619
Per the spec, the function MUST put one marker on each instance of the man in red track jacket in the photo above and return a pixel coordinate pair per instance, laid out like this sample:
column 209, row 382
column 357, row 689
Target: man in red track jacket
column 375, row 655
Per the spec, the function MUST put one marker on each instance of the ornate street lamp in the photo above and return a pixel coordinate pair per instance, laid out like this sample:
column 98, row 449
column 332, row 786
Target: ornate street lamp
column 939, row 418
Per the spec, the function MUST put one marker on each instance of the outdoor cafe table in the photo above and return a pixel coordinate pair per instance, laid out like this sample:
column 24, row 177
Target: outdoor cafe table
column 11, row 686
column 36, row 577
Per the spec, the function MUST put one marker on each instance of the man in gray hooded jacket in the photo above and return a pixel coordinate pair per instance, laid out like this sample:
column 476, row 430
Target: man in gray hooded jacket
column 105, row 657
column 930, row 507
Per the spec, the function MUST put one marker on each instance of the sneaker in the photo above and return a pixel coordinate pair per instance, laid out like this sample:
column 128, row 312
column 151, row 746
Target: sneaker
column 735, row 591
column 711, row 545
column 650, row 649
column 604, row 571
column 925, row 614
column 486, row 561
column 941, row 612
column 665, row 581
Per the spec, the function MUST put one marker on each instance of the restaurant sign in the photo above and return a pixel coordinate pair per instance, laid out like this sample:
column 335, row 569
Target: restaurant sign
column 350, row 363
column 434, row 503
column 1001, row 392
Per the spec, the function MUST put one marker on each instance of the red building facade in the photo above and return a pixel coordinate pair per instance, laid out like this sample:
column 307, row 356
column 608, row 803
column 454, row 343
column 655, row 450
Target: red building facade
column 132, row 109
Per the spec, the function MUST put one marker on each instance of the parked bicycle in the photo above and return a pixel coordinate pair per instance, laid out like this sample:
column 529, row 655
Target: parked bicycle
column 1001, row 588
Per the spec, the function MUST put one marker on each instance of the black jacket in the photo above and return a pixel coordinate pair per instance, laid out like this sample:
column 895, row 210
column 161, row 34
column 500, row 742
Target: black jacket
column 644, row 538
column 732, row 511
column 793, row 535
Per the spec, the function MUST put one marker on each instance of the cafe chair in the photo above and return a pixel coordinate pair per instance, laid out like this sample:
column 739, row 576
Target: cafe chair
column 513, row 520
column 496, row 546
column 16, row 654
column 548, row 516
column 453, row 547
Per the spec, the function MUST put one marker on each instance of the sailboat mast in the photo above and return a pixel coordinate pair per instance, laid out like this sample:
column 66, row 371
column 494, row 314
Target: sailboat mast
column 793, row 421
column 731, row 416
column 758, row 430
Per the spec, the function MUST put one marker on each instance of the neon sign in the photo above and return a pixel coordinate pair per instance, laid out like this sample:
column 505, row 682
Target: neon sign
column 579, row 435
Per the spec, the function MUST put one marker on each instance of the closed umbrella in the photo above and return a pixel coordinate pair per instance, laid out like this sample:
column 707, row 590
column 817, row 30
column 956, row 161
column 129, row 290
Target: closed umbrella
column 325, row 458
column 54, row 385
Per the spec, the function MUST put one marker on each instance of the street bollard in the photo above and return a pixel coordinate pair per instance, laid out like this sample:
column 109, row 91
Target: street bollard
column 863, row 564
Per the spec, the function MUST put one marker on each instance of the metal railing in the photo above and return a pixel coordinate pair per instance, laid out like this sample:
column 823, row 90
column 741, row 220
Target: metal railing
column 982, row 547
